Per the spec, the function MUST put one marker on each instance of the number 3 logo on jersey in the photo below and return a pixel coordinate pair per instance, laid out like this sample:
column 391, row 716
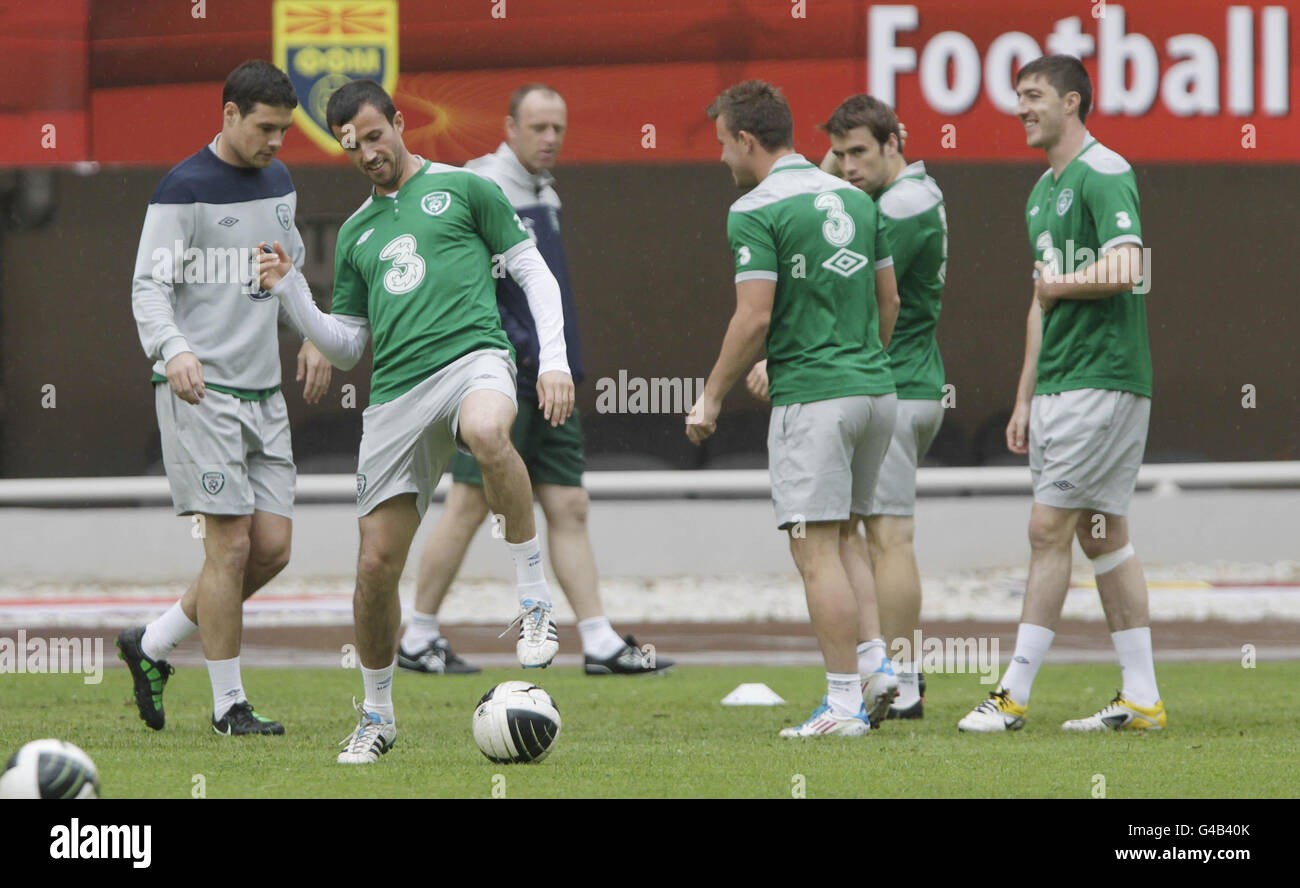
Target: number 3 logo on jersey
column 408, row 265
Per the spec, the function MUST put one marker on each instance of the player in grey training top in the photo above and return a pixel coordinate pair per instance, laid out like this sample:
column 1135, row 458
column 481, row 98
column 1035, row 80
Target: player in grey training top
column 212, row 334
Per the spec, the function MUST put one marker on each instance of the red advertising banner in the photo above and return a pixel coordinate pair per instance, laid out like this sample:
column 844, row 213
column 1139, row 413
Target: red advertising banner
column 1175, row 80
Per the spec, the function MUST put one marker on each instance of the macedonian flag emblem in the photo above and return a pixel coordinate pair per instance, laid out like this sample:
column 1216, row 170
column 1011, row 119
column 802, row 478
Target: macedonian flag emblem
column 323, row 44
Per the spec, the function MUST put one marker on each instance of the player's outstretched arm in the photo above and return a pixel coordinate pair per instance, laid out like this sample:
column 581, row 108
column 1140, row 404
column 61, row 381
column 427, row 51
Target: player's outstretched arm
column 342, row 340
column 555, row 394
column 1018, row 427
column 742, row 344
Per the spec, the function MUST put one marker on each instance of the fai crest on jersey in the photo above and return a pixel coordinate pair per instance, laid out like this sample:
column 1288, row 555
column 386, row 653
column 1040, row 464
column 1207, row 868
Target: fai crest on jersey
column 284, row 216
column 1063, row 202
column 435, row 203
column 213, row 482
column 323, row 44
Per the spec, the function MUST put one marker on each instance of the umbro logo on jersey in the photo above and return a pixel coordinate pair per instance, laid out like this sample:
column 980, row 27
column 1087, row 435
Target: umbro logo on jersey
column 435, row 203
column 364, row 235
column 845, row 262
column 228, row 221
column 1063, row 485
column 1034, row 211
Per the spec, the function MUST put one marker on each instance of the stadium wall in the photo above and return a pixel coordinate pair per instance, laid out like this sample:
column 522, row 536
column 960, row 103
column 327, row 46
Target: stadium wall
column 657, row 538
column 651, row 271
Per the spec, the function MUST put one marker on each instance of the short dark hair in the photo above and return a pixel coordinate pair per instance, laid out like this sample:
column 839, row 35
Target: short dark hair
column 517, row 97
column 1066, row 74
column 258, row 81
column 868, row 111
column 346, row 102
column 756, row 107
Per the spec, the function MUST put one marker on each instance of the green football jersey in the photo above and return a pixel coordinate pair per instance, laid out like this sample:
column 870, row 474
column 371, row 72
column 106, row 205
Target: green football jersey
column 418, row 265
column 916, row 224
column 821, row 240
column 1090, row 209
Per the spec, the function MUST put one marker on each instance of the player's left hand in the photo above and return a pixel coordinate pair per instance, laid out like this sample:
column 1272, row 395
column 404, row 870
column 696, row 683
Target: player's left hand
column 316, row 370
column 1043, row 287
column 702, row 421
column 272, row 267
column 555, row 396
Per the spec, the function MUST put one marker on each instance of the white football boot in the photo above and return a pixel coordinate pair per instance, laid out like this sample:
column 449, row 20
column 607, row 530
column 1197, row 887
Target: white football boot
column 824, row 722
column 372, row 738
column 539, row 640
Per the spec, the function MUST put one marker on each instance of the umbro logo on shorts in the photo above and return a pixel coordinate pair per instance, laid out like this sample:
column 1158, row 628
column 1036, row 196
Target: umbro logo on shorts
column 228, row 221
column 1063, row 485
column 213, row 482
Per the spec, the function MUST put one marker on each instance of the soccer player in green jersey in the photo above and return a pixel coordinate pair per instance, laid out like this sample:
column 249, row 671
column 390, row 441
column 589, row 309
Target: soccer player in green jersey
column 866, row 149
column 814, row 278
column 867, row 144
column 1084, row 399
column 414, row 268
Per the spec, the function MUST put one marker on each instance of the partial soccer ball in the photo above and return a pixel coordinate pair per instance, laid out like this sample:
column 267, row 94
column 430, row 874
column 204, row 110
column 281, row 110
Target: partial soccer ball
column 516, row 722
column 49, row 769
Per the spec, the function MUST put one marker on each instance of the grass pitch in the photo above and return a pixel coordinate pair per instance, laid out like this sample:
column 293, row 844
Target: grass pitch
column 1231, row 734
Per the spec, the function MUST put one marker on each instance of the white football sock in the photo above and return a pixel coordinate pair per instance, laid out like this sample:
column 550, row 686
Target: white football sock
column 1032, row 643
column 227, row 687
column 909, row 684
column 530, row 576
column 870, row 653
column 379, row 691
column 1137, row 664
column 843, row 693
column 164, row 633
column 599, row 639
column 420, row 633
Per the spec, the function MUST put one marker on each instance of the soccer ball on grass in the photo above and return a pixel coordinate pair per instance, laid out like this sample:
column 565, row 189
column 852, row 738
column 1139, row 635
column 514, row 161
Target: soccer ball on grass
column 516, row 722
column 49, row 769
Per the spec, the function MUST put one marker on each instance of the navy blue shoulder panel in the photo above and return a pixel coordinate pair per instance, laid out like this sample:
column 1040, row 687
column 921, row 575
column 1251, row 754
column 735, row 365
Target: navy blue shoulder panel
column 205, row 178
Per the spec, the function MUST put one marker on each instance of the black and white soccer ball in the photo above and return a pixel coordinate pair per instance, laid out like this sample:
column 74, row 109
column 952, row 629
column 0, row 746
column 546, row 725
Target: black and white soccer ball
column 516, row 722
column 49, row 769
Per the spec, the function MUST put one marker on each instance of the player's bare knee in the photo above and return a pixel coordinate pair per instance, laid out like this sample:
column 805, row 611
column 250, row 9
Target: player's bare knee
column 376, row 567
column 889, row 532
column 489, row 442
column 1048, row 533
column 566, row 508
column 466, row 506
column 228, row 554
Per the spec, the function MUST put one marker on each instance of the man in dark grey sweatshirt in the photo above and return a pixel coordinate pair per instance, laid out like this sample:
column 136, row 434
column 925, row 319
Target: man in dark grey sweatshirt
column 212, row 333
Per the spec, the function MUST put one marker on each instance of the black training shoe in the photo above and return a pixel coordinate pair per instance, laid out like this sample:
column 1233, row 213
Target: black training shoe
column 241, row 719
column 916, row 710
column 436, row 659
column 629, row 661
column 149, row 676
